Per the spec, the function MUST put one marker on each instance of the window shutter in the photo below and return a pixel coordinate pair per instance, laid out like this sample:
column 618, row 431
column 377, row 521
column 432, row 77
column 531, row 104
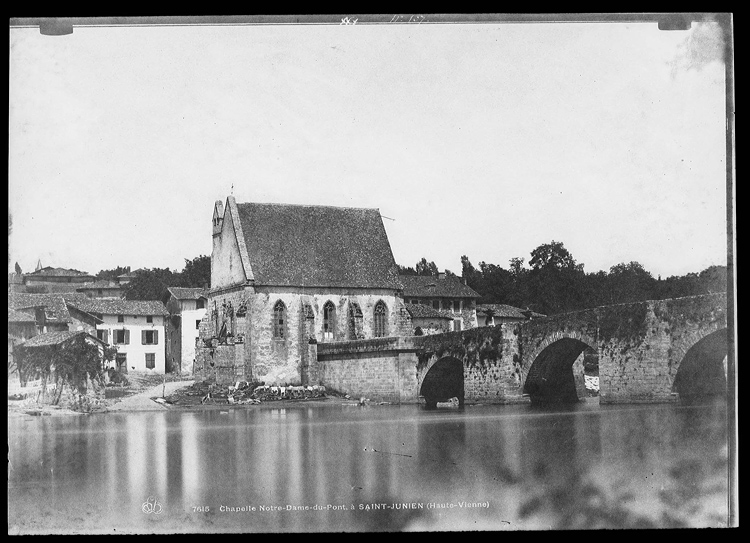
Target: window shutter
column 143, row 337
column 105, row 336
column 156, row 337
column 127, row 337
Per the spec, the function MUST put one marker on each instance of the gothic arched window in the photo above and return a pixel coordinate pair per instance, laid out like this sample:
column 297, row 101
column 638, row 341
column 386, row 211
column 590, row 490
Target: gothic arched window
column 279, row 320
column 381, row 320
column 329, row 321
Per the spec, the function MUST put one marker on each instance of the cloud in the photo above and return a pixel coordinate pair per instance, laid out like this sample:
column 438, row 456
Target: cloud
column 703, row 45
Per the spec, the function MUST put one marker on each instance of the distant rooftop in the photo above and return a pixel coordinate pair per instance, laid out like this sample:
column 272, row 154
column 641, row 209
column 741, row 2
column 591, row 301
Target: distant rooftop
column 422, row 311
column 49, row 271
column 54, row 338
column 54, row 304
column 19, row 316
column 431, row 286
column 505, row 311
column 100, row 284
column 188, row 293
column 112, row 306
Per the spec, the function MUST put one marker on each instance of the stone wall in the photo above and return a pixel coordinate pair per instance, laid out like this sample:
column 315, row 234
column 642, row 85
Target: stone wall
column 246, row 314
column 382, row 369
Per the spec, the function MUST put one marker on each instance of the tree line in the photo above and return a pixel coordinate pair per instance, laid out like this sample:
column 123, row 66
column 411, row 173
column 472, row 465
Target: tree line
column 553, row 282
column 152, row 284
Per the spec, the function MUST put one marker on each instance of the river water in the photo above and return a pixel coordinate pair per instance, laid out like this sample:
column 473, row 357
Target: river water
column 334, row 467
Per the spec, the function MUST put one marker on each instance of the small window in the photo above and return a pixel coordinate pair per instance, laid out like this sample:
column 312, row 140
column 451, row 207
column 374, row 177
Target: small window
column 150, row 361
column 99, row 292
column 120, row 318
column 457, row 305
column 456, row 325
column 102, row 335
column 381, row 320
column 415, row 302
column 279, row 320
column 446, row 305
column 149, row 318
column 435, row 304
column 149, row 337
column 200, row 303
column 121, row 337
column 197, row 324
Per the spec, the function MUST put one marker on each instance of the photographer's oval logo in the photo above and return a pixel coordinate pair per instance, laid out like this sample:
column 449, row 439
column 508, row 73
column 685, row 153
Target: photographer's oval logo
column 151, row 505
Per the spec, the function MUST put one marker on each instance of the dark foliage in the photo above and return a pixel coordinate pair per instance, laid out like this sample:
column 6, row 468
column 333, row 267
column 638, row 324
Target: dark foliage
column 555, row 283
column 113, row 274
column 152, row 284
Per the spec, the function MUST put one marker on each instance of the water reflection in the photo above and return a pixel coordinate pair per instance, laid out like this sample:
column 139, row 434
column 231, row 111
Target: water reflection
column 370, row 469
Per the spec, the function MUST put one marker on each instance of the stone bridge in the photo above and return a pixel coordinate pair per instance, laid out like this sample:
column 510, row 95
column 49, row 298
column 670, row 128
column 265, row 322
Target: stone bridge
column 652, row 351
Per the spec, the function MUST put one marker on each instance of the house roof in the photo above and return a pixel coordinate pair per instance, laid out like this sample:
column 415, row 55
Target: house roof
column 49, row 271
column 55, row 338
column 433, row 286
column 101, row 284
column 505, row 311
column 188, row 293
column 301, row 245
column 421, row 311
column 129, row 274
column 19, row 316
column 54, row 304
column 115, row 306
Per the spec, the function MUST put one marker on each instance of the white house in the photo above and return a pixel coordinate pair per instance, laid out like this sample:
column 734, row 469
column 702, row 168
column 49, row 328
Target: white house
column 136, row 328
column 186, row 307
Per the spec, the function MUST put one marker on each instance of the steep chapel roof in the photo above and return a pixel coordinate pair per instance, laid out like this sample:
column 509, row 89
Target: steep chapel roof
column 317, row 246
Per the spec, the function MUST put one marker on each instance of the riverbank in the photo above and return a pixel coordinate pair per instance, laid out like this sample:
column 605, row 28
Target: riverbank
column 142, row 394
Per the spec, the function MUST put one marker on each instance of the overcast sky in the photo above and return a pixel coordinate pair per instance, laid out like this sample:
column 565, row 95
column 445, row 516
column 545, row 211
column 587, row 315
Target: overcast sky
column 483, row 140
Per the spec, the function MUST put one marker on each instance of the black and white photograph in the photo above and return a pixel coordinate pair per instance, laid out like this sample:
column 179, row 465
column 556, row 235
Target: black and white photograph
column 362, row 273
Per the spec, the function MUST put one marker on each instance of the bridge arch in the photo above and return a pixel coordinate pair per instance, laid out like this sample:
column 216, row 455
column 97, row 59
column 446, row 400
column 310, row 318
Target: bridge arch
column 701, row 364
column 547, row 374
column 442, row 380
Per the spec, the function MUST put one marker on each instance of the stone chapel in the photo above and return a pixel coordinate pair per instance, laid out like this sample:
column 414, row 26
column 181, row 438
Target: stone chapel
column 286, row 276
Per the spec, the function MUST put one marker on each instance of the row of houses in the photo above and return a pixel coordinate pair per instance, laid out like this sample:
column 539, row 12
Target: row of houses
column 282, row 276
column 50, row 279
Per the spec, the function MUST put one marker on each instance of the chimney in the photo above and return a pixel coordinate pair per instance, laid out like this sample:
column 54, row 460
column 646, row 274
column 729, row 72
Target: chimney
column 441, row 275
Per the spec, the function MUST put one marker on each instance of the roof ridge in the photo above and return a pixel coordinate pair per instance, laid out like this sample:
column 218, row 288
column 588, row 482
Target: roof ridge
column 307, row 205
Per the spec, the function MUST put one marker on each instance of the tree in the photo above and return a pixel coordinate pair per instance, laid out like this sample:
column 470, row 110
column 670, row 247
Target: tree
column 113, row 274
column 406, row 270
column 553, row 254
column 556, row 284
column 516, row 266
column 150, row 284
column 426, row 268
column 71, row 363
column 471, row 275
column 629, row 282
column 197, row 272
